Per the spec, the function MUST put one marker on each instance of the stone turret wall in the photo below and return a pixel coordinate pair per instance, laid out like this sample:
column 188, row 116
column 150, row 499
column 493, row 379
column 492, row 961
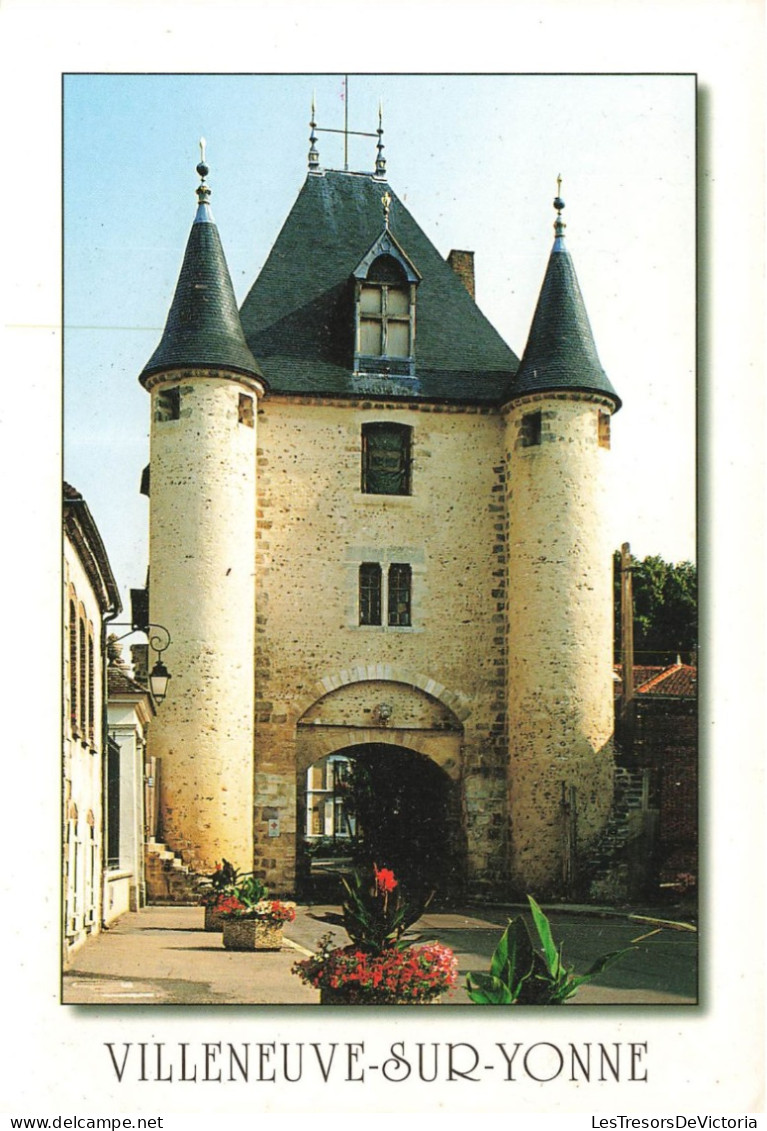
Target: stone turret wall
column 202, row 553
column 560, row 635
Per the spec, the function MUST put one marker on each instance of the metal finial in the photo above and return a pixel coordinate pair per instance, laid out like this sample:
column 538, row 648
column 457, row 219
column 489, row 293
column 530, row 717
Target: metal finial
column 559, row 224
column 314, row 156
column 386, row 201
column 380, row 159
column 203, row 192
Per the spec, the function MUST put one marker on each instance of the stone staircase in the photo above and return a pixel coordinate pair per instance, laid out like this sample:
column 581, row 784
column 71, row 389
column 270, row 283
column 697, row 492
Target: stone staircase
column 168, row 878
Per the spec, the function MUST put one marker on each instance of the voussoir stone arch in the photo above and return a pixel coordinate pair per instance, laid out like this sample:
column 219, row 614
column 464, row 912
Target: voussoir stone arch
column 456, row 701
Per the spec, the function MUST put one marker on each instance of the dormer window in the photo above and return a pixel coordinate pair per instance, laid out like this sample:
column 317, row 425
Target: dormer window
column 385, row 299
column 386, row 311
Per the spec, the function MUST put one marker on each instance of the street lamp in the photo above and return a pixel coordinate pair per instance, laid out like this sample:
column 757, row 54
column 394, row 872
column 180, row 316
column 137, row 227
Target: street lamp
column 158, row 681
column 159, row 639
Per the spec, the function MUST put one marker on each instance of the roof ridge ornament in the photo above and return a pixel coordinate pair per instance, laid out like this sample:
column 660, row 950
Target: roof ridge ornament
column 559, row 224
column 386, row 201
column 203, row 191
column 314, row 156
column 204, row 215
column 380, row 159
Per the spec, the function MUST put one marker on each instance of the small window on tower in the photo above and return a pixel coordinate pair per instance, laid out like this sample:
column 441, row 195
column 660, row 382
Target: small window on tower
column 400, row 581
column 386, row 459
column 530, row 431
column 168, row 405
column 245, row 410
column 604, row 429
column 370, row 593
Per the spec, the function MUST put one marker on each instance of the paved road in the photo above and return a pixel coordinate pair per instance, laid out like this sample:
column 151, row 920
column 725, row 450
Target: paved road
column 162, row 955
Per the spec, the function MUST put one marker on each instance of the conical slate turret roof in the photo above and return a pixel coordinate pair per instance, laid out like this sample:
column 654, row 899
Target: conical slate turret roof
column 203, row 328
column 560, row 352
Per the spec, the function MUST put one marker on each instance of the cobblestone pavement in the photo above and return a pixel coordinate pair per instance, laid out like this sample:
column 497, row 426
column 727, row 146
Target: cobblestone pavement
column 163, row 956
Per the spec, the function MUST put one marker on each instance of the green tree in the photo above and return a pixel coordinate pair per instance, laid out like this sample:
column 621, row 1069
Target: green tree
column 665, row 610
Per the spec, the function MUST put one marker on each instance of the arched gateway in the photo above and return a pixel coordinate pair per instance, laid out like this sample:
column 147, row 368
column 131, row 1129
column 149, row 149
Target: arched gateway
column 379, row 776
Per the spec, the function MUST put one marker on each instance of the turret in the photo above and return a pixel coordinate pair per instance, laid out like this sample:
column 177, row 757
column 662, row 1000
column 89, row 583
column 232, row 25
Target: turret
column 204, row 384
column 560, row 709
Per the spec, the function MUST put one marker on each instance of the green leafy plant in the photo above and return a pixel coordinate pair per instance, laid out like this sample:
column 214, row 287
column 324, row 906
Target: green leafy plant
column 219, row 883
column 377, row 914
column 249, row 890
column 520, row 974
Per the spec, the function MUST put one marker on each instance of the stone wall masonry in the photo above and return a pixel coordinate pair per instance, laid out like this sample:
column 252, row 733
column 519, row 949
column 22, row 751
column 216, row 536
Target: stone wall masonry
column 202, row 551
column 560, row 636
column 315, row 526
column 406, row 707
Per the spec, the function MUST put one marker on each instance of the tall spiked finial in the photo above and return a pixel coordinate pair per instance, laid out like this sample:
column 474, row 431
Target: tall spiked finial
column 380, row 159
column 314, row 156
column 559, row 224
column 203, row 191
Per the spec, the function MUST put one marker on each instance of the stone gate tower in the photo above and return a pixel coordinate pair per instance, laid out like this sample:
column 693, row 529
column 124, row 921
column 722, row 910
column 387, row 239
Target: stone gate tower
column 560, row 693
column 205, row 383
column 409, row 575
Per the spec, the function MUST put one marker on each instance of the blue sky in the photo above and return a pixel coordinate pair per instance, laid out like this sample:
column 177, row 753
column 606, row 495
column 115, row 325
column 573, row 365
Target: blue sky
column 474, row 157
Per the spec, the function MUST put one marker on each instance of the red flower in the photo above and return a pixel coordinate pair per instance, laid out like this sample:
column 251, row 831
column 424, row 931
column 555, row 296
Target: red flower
column 416, row 974
column 385, row 881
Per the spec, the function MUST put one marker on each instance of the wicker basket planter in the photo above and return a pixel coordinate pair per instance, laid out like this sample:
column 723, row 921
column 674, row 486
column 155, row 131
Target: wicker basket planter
column 252, row 934
column 214, row 920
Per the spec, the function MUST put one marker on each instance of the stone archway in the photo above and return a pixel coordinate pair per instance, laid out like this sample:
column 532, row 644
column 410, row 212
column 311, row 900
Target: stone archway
column 386, row 804
column 400, row 745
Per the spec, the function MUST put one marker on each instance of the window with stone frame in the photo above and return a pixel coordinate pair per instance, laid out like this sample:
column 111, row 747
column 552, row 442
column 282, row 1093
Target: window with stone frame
column 386, row 458
column 245, row 410
column 168, row 404
column 91, row 687
column 385, row 590
column 399, row 594
column 530, row 429
column 603, row 429
column 370, row 593
column 82, row 678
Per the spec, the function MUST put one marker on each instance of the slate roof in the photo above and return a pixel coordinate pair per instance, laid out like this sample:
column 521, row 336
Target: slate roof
column 120, row 683
column 560, row 352
column 203, row 327
column 298, row 316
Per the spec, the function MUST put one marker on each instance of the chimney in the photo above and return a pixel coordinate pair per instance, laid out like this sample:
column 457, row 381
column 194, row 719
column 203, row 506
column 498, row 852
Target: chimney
column 462, row 263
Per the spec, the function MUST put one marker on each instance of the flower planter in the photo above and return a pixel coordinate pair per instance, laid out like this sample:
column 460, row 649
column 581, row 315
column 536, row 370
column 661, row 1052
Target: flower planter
column 214, row 920
column 252, row 934
column 341, row 996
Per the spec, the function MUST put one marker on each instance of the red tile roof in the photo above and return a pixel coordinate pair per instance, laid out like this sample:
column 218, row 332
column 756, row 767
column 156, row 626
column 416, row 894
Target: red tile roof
column 677, row 680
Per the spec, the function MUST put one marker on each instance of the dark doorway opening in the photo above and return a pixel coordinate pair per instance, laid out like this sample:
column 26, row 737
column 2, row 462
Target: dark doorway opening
column 389, row 806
